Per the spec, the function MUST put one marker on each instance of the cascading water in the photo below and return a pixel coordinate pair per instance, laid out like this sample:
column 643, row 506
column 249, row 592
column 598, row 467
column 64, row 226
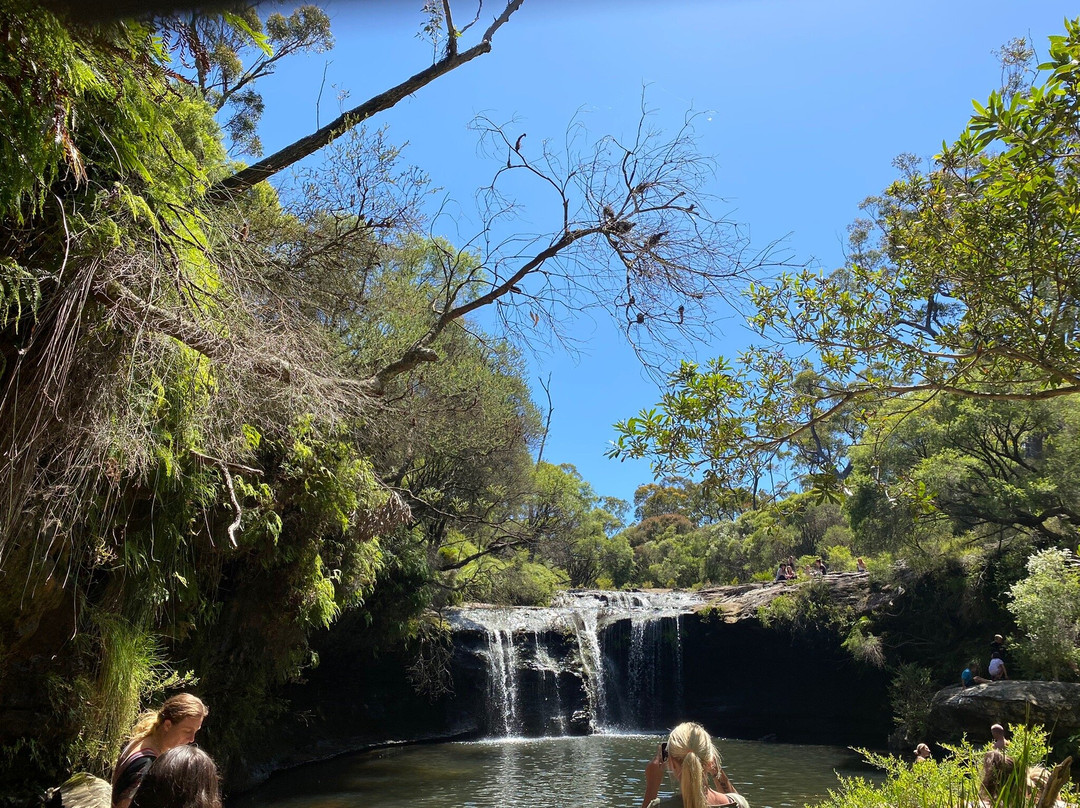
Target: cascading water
column 585, row 624
column 502, row 682
column 593, row 662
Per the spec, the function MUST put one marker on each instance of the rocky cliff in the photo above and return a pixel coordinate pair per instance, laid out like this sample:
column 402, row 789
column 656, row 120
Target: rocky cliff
column 716, row 664
column 956, row 711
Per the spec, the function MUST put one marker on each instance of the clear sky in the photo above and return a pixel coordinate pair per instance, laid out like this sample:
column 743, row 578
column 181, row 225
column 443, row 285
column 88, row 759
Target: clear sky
column 807, row 104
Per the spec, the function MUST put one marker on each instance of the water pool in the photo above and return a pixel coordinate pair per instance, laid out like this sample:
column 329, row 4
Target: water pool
column 597, row 771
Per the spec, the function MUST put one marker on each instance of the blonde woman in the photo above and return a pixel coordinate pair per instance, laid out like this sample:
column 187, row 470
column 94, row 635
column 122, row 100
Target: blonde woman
column 155, row 733
column 690, row 755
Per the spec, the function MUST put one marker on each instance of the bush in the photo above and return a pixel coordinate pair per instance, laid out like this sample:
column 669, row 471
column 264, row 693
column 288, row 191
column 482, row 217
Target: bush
column 839, row 559
column 809, row 607
column 863, row 645
column 910, row 692
column 1046, row 605
column 525, row 583
column 954, row 782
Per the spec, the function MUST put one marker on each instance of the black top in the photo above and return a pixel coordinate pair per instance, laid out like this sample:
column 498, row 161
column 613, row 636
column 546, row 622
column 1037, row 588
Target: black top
column 126, row 780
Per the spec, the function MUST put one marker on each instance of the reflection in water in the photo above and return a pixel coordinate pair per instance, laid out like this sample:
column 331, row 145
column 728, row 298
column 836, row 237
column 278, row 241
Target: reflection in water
column 600, row 771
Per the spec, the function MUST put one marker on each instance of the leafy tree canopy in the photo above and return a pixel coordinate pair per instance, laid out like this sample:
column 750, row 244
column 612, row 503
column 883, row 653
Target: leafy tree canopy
column 963, row 279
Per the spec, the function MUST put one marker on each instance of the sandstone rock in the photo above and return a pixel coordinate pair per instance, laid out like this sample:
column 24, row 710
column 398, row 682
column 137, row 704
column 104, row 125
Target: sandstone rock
column 741, row 602
column 958, row 710
column 82, row 790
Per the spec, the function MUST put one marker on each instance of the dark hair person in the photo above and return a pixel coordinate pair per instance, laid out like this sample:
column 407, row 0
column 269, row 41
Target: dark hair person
column 998, row 773
column 155, row 733
column 183, row 777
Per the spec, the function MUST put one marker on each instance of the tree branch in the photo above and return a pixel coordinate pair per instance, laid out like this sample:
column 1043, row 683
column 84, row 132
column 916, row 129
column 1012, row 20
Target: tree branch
column 140, row 312
column 244, row 179
column 420, row 352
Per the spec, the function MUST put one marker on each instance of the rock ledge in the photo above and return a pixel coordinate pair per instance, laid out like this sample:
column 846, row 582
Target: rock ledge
column 958, row 710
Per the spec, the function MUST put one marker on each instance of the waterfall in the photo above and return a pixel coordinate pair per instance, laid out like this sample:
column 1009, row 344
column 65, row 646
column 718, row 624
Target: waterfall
column 592, row 662
column 678, row 665
column 644, row 640
column 502, row 682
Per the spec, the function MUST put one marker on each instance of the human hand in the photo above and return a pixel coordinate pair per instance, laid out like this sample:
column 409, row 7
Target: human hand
column 654, row 773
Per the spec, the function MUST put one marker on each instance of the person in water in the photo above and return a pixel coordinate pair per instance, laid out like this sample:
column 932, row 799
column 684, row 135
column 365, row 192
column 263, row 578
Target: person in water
column 691, row 757
column 183, row 777
column 155, row 733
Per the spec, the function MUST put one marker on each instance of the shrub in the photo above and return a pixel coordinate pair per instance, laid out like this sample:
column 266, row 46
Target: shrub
column 839, row 558
column 953, row 782
column 910, row 692
column 863, row 645
column 1046, row 605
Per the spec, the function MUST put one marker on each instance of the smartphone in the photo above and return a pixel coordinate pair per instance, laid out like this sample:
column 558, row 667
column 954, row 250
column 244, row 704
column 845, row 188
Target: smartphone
column 663, row 751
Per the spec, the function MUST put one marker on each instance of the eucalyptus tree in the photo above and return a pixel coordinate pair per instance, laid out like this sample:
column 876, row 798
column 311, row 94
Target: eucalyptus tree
column 963, row 280
column 204, row 379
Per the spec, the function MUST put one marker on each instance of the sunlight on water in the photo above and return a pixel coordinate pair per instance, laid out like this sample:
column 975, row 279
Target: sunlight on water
column 600, row 771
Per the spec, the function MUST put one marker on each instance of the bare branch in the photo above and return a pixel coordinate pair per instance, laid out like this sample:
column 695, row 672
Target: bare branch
column 546, row 387
column 451, row 35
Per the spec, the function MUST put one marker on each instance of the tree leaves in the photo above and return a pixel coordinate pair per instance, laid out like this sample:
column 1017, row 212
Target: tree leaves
column 970, row 288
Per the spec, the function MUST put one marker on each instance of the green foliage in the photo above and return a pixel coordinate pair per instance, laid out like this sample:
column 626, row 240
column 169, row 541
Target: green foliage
column 131, row 669
column 1046, row 605
column 808, row 608
column 955, row 781
column 20, row 293
column 519, row 582
column 911, row 690
column 228, row 52
column 923, row 308
column 863, row 645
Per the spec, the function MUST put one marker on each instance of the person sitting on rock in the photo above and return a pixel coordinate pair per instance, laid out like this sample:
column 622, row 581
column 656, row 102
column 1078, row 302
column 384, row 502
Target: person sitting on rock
column 997, row 670
column 860, row 565
column 997, row 647
column 969, row 676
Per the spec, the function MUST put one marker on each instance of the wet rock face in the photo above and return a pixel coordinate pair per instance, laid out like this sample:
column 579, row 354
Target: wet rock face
column 645, row 665
column 592, row 662
column 598, row 661
column 742, row 680
column 958, row 710
column 518, row 680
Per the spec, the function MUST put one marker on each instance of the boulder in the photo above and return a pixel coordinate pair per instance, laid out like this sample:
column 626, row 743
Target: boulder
column 955, row 711
column 82, row 790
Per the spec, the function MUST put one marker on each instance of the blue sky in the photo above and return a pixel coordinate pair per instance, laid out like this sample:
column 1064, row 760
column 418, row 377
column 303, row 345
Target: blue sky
column 806, row 105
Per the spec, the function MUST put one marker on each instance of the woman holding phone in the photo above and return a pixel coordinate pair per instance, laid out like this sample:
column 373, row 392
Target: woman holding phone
column 690, row 755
